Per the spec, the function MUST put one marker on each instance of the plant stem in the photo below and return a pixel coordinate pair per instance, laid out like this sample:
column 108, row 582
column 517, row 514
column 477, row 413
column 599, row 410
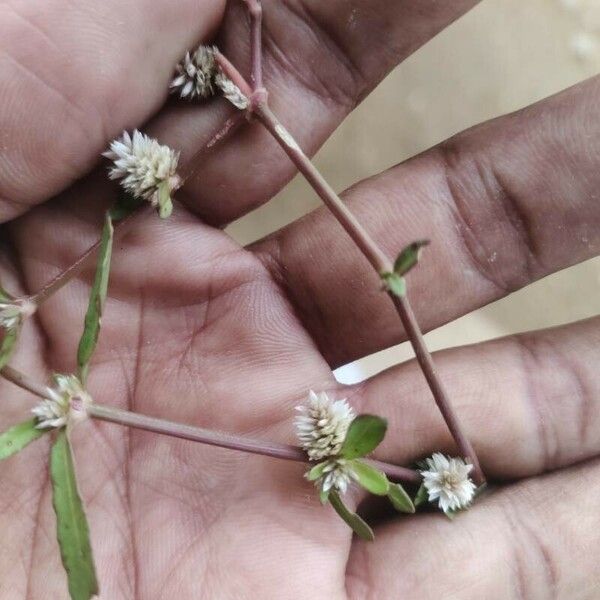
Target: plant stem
column 225, row 440
column 68, row 274
column 255, row 11
column 197, row 434
column 23, row 381
column 230, row 126
column 371, row 251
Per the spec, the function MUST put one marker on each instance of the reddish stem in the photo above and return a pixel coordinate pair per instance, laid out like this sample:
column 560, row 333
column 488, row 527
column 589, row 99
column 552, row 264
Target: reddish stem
column 374, row 255
column 255, row 11
column 75, row 269
column 226, row 440
column 197, row 434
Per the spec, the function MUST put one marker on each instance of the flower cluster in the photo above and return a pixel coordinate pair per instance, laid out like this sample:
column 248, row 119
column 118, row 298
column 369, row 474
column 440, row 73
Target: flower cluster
column 322, row 425
column 147, row 169
column 447, row 481
column 12, row 313
column 199, row 76
column 337, row 475
column 321, row 428
column 54, row 411
column 195, row 74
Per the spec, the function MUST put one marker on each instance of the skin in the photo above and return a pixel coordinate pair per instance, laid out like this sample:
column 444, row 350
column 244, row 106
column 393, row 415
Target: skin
column 201, row 330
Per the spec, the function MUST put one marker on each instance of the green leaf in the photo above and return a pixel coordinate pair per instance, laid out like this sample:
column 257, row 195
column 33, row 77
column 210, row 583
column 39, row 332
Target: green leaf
column 8, row 344
column 91, row 330
column 324, row 496
column 364, row 435
column 125, row 205
column 357, row 525
column 16, row 438
column 316, row 471
column 71, row 522
column 409, row 257
column 395, row 283
column 422, row 496
column 370, row 478
column 400, row 499
column 165, row 204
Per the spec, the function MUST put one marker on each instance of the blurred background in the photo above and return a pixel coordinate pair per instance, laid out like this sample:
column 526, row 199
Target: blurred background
column 503, row 55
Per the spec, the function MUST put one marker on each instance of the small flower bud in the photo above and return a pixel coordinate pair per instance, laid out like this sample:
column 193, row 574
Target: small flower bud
column 337, row 475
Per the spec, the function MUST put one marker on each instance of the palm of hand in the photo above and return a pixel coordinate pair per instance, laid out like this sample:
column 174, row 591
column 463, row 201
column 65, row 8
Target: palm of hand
column 200, row 330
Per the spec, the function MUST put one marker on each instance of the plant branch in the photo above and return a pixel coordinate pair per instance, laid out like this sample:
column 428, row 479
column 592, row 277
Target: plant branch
column 226, row 440
column 23, row 381
column 77, row 267
column 371, row 251
column 196, row 434
column 255, row 11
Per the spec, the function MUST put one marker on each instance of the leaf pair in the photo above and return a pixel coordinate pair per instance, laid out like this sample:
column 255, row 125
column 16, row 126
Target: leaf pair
column 405, row 261
column 365, row 433
column 72, row 525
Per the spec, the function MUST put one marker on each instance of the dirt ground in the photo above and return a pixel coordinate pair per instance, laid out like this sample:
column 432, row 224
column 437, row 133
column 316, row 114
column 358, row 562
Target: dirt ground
column 503, row 55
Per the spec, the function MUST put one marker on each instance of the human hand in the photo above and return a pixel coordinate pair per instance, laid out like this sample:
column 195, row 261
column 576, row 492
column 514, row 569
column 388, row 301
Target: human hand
column 200, row 330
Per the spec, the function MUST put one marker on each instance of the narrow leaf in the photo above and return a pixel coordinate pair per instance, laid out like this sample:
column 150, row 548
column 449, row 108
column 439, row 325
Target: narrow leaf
column 357, row 525
column 400, row 499
column 16, row 438
column 8, row 344
column 93, row 317
column 409, row 257
column 165, row 204
column 364, row 435
column 370, row 478
column 324, row 496
column 422, row 496
column 71, row 522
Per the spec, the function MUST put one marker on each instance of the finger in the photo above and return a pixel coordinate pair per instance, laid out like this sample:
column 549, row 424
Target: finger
column 321, row 59
column 528, row 540
column 529, row 403
column 504, row 203
column 75, row 75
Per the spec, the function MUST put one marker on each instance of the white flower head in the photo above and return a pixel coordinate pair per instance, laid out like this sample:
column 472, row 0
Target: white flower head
column 195, row 74
column 322, row 425
column 12, row 313
column 447, row 481
column 147, row 169
column 231, row 91
column 56, row 411
column 337, row 475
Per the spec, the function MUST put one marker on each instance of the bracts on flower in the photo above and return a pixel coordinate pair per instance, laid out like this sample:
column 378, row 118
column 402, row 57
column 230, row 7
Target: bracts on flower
column 195, row 74
column 322, row 425
column 199, row 76
column 56, row 410
column 146, row 169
